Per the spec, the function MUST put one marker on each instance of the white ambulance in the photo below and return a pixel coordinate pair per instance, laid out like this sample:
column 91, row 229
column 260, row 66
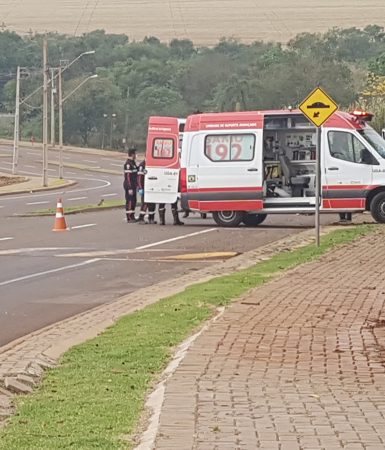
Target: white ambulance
column 242, row 166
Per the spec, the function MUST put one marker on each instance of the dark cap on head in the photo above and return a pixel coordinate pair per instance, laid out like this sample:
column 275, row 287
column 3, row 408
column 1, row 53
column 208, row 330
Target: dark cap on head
column 131, row 151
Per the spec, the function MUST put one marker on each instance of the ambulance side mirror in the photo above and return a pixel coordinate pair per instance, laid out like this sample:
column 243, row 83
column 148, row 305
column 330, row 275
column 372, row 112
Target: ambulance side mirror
column 383, row 133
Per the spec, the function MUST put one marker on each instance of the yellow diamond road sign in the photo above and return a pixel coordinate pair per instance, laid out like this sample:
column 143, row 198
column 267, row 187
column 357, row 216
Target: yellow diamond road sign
column 318, row 107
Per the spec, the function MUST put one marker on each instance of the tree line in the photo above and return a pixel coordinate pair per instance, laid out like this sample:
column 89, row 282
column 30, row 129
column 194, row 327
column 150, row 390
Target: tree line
column 139, row 79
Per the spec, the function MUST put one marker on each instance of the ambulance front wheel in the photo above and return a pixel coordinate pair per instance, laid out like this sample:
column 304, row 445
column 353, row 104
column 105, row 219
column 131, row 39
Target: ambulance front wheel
column 253, row 220
column 377, row 207
column 228, row 218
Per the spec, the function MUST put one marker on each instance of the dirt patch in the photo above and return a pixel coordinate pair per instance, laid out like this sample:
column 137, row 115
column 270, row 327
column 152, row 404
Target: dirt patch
column 7, row 181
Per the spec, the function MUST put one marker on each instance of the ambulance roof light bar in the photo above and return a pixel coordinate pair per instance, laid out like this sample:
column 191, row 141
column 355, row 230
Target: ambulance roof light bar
column 363, row 116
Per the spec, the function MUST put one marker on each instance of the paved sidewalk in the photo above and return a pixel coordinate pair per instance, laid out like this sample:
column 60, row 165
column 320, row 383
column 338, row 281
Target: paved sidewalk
column 296, row 364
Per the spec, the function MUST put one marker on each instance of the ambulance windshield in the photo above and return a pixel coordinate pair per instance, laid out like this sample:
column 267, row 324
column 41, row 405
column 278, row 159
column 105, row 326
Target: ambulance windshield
column 374, row 139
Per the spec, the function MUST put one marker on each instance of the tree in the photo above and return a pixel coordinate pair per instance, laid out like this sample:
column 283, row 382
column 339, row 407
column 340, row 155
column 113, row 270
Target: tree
column 83, row 114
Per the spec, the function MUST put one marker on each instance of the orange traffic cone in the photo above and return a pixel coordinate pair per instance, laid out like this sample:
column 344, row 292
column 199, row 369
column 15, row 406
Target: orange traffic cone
column 60, row 222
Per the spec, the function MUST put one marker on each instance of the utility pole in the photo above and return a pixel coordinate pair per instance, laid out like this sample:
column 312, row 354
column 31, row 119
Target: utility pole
column 53, row 92
column 16, row 136
column 60, row 88
column 126, row 119
column 45, row 113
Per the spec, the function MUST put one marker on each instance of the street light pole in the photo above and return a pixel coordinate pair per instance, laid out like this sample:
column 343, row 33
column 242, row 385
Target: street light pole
column 16, row 136
column 45, row 113
column 112, row 126
column 60, row 88
column 105, row 116
column 53, row 92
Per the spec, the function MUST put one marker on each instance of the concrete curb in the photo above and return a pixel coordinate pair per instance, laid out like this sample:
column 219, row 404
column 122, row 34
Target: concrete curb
column 71, row 213
column 45, row 346
column 67, row 184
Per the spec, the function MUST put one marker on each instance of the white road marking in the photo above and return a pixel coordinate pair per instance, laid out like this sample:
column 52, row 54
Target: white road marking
column 109, row 195
column 8, row 163
column 66, row 157
column 2, row 206
column 51, row 170
column 87, row 225
column 7, row 239
column 71, row 173
column 48, row 272
column 38, row 203
column 31, row 167
column 90, row 161
column 178, row 238
column 117, row 165
column 158, row 260
column 76, row 198
column 105, row 184
column 32, row 153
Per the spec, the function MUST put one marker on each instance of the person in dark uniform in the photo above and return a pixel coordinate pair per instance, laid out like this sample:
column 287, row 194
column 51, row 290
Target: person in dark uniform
column 345, row 217
column 130, row 184
column 174, row 210
column 145, row 207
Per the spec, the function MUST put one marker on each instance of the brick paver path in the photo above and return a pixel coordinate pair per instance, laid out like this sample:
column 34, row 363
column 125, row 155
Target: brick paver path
column 296, row 364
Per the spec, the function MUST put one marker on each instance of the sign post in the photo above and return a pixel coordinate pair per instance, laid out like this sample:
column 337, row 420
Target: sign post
column 318, row 107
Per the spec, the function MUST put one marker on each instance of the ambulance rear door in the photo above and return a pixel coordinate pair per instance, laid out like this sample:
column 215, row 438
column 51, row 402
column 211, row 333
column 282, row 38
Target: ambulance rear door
column 162, row 160
column 225, row 172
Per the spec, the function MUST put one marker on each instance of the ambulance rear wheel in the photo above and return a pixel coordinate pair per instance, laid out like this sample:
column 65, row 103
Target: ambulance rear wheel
column 253, row 220
column 228, row 218
column 377, row 207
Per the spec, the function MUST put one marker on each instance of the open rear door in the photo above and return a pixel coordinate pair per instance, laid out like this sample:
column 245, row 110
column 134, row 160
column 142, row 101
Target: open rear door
column 162, row 160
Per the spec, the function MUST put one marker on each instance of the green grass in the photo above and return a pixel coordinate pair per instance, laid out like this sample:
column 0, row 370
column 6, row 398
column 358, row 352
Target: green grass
column 107, row 204
column 94, row 399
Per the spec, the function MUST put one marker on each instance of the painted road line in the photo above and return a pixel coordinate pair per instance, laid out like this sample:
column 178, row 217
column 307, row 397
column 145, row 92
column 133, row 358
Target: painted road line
column 116, row 165
column 159, row 260
column 33, row 153
column 48, row 272
column 7, row 239
column 155, row 244
column 51, row 170
column 31, row 167
column 8, row 163
column 92, row 161
column 71, row 173
column 18, row 251
column 66, row 157
column 105, row 184
column 87, row 225
column 109, row 195
column 76, row 198
column 38, row 203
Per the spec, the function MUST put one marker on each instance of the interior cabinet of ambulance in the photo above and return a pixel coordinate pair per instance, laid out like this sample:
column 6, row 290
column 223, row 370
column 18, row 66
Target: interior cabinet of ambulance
column 289, row 154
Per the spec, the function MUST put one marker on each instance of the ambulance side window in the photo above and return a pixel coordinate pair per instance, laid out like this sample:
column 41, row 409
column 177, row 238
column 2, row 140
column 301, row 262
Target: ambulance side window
column 163, row 148
column 346, row 146
column 230, row 147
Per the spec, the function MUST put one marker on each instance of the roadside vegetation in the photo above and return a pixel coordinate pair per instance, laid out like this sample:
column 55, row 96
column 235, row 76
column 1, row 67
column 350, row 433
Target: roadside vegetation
column 95, row 398
column 139, row 79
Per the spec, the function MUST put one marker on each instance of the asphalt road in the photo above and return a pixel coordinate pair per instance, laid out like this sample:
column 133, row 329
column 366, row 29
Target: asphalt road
column 46, row 276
